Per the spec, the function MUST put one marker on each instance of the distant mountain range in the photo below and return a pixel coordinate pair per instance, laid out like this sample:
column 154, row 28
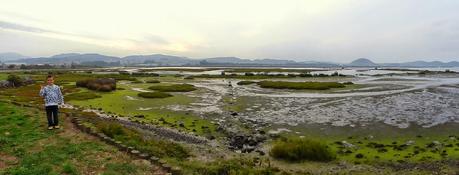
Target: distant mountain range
column 11, row 56
column 363, row 62
column 169, row 60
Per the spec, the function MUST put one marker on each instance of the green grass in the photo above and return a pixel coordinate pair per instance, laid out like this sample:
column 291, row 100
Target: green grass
column 117, row 102
column 120, row 169
column 82, row 96
column 154, row 95
column 297, row 150
column 157, row 147
column 300, row 85
column 39, row 151
column 3, row 76
column 173, row 88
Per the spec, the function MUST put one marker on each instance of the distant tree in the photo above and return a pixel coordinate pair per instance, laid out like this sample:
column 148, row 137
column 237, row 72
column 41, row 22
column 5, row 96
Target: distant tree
column 203, row 62
column 73, row 65
column 23, row 66
column 11, row 66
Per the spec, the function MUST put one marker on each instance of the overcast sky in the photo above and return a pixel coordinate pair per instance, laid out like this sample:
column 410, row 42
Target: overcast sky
column 320, row 30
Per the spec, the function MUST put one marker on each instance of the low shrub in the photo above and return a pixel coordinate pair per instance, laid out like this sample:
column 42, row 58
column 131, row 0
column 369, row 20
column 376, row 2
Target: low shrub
column 302, row 149
column 154, row 95
column 15, row 80
column 137, row 82
column 100, row 84
column 174, row 88
column 82, row 96
column 153, row 81
column 300, row 85
column 111, row 129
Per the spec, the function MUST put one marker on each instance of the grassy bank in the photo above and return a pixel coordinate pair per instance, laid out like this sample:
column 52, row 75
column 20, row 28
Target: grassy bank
column 26, row 147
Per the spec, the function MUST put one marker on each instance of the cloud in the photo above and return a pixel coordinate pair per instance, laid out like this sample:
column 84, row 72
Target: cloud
column 331, row 30
column 19, row 27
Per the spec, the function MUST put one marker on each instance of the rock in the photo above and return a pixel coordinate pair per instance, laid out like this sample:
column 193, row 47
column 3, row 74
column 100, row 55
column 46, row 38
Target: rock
column 143, row 155
column 238, row 141
column 211, row 137
column 252, row 142
column 135, row 152
column 123, row 147
column 130, row 148
column 262, row 153
column 347, row 144
column 410, row 142
column 6, row 84
column 273, row 135
column 154, row 159
column 176, row 171
column 139, row 116
column 234, row 114
column 167, row 167
column 260, row 138
column 247, row 148
column 181, row 124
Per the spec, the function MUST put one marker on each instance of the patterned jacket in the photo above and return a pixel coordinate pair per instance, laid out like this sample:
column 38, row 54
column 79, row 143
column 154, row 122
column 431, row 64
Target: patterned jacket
column 52, row 94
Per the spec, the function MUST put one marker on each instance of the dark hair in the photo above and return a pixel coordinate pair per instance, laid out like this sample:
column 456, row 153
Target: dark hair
column 49, row 76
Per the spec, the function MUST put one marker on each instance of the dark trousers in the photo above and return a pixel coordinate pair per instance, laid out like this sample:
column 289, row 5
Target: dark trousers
column 51, row 113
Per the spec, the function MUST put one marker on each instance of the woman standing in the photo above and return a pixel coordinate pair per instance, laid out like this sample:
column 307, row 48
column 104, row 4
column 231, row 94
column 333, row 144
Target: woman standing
column 53, row 97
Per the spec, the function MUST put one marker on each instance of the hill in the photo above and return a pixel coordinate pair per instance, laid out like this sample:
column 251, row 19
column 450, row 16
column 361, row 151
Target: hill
column 362, row 62
column 11, row 56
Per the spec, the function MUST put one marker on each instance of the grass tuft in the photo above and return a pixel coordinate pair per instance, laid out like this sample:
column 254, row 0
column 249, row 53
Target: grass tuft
column 174, row 88
column 297, row 150
column 154, row 95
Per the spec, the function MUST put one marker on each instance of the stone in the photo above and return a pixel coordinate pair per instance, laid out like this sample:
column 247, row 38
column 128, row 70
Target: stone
column 135, row 152
column 176, row 171
column 154, row 159
column 143, row 155
column 167, row 167
column 181, row 124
